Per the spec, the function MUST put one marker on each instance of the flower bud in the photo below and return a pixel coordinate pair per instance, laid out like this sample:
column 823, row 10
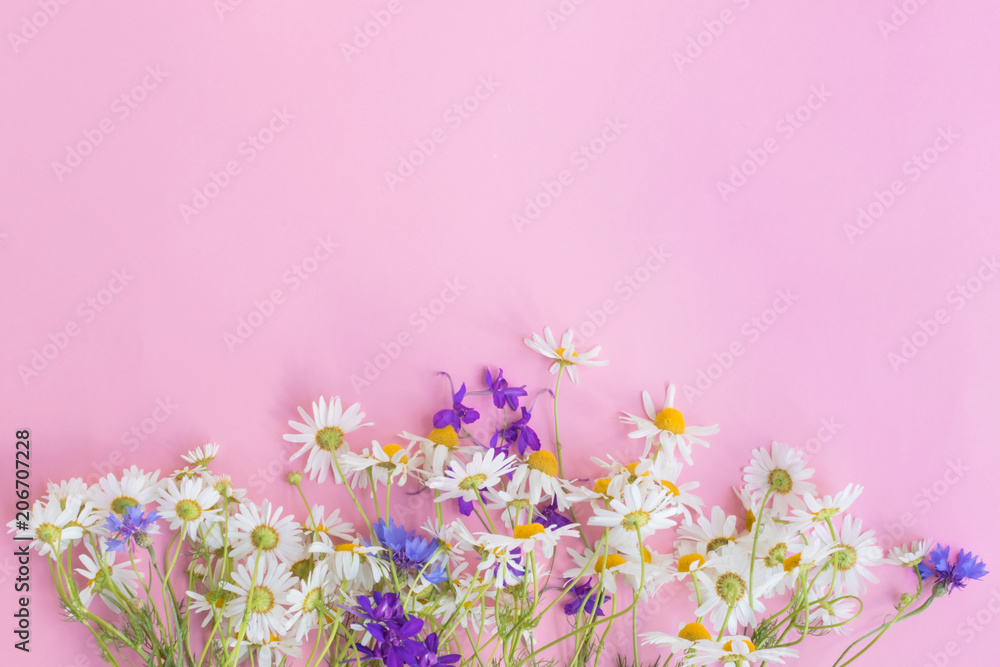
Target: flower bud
column 143, row 539
column 295, row 478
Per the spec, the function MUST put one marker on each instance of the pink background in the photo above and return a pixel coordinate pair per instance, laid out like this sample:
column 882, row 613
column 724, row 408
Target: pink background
column 682, row 127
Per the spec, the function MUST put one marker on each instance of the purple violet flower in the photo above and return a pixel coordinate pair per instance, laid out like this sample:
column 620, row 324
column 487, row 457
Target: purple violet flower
column 518, row 433
column 502, row 394
column 458, row 414
column 951, row 576
column 132, row 527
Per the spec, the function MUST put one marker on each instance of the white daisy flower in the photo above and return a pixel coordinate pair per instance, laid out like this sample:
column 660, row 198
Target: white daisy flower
column 189, row 506
column 857, row 552
column 784, row 471
column 819, row 510
column 564, row 354
column 540, row 472
column 103, row 574
column 212, row 603
column 264, row 531
column 311, row 597
column 527, row 537
column 439, row 449
column 202, row 455
column 634, row 516
column 605, row 566
column 356, row 567
column 909, row 555
column 322, row 435
column 837, row 613
column 725, row 582
column 654, row 570
column 774, row 543
column 136, row 488
column 739, row 650
column 54, row 527
column 391, row 463
column 323, row 527
column 514, row 503
column 667, row 428
column 63, row 491
column 688, row 637
column 271, row 651
column 261, row 599
column 666, row 472
column 710, row 533
column 466, row 480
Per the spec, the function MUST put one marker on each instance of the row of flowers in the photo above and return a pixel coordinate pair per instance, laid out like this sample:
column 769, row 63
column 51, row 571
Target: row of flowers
column 191, row 571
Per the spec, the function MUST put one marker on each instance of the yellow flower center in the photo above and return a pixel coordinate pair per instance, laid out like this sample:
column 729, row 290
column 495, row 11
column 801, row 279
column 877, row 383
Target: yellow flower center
column 750, row 520
column 646, row 555
column 391, row 449
column 671, row 487
column 718, row 543
column 187, row 510
column 631, row 468
column 48, row 533
column 561, row 351
column 635, row 520
column 260, row 600
column 791, row 562
column 685, row 562
column 670, row 419
column 444, row 436
column 601, row 485
column 544, row 462
column 606, row 562
column 347, row 547
column 121, row 504
column 525, row 531
column 472, row 482
column 264, row 537
column 694, row 632
column 728, row 646
column 780, row 481
column 330, row 438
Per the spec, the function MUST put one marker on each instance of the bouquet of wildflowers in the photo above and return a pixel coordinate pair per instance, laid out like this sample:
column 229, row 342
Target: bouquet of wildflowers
column 516, row 564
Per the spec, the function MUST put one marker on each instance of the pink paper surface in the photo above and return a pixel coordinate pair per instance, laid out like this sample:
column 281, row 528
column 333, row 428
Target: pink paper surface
column 216, row 212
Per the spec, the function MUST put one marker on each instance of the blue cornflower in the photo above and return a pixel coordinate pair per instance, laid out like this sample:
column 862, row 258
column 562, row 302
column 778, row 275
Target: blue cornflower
column 134, row 526
column 949, row 576
column 550, row 518
column 393, row 632
column 409, row 552
column 585, row 597
column 430, row 657
column 518, row 433
column 502, row 394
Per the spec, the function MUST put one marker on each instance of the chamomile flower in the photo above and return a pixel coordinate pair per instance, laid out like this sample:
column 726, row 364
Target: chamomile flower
column 439, row 448
column 450, row 549
column 725, row 583
column 783, row 471
column 774, row 542
column 323, row 527
column 688, row 637
column 856, row 553
column 322, row 435
column 189, row 506
column 465, row 480
column 710, row 533
column 54, row 527
column 202, row 455
column 262, row 599
column 212, row 603
column 909, row 555
column 564, row 354
column 136, row 488
column 263, row 531
column 356, row 567
column 531, row 536
column 667, row 428
column 605, row 564
column 63, row 491
column 819, row 510
column 103, row 575
column 648, row 574
column 739, row 650
column 832, row 614
column 666, row 472
column 541, row 473
column 383, row 465
column 307, row 601
column 272, row 650
column 635, row 515
column 514, row 503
